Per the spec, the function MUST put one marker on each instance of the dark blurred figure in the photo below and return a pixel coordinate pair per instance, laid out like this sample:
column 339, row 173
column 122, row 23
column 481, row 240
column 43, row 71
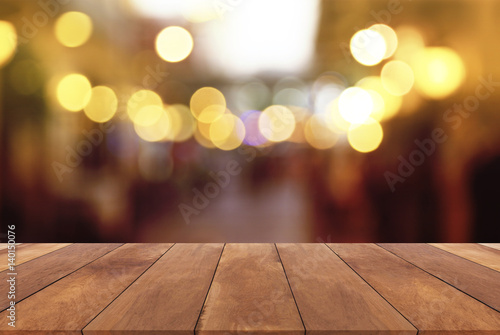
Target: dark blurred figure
column 485, row 190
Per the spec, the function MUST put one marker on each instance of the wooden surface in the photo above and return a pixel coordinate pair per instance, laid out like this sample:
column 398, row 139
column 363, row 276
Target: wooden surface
column 333, row 298
column 431, row 305
column 167, row 298
column 51, row 267
column 492, row 245
column 71, row 303
column 250, row 293
column 480, row 254
column 28, row 251
column 474, row 279
column 249, row 289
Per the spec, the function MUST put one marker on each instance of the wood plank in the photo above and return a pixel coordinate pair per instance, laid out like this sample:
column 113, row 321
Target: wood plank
column 431, row 305
column 68, row 305
column 333, row 299
column 476, row 280
column 492, row 245
column 474, row 252
column 44, row 270
column 3, row 246
column 168, row 298
column 28, row 251
column 250, row 294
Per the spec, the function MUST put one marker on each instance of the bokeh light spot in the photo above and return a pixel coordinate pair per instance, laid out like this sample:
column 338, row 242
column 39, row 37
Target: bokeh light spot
column 318, row 134
column 334, row 120
column 365, row 137
column 439, row 72
column 202, row 135
column 397, row 77
column 73, row 92
column 183, row 124
column 277, row 123
column 355, row 105
column 156, row 131
column 144, row 107
column 73, row 29
column 174, row 44
column 378, row 105
column 253, row 135
column 392, row 103
column 410, row 42
column 8, row 42
column 368, row 47
column 390, row 38
column 102, row 104
column 207, row 104
column 227, row 132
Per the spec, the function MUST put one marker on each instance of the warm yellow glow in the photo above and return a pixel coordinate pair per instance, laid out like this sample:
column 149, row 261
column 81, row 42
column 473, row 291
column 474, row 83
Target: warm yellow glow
column 183, row 124
column 276, row 123
column 202, row 140
column 355, row 105
column 73, row 92
column 378, row 105
column 8, row 42
column 207, row 104
column 365, row 137
column 439, row 72
column 174, row 44
column 397, row 77
column 392, row 103
column 390, row 38
column 368, row 47
column 144, row 108
column 410, row 42
column 25, row 76
column 199, row 11
column 204, row 129
column 73, row 29
column 318, row 134
column 334, row 120
column 227, row 132
column 156, row 131
column 102, row 104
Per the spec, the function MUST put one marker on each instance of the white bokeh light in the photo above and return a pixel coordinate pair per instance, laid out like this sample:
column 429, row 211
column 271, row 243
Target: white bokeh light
column 261, row 35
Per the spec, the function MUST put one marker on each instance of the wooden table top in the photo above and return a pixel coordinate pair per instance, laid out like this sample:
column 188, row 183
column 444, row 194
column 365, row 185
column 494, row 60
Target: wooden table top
column 222, row 289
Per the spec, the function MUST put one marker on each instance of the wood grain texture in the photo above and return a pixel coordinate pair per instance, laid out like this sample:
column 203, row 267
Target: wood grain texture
column 250, row 294
column 431, row 305
column 333, row 299
column 476, row 280
column 492, row 245
column 44, row 270
column 28, row 251
column 3, row 246
column 167, row 299
column 474, row 252
column 68, row 305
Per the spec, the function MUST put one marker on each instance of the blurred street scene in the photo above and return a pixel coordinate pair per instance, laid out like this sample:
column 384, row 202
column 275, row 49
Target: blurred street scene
column 250, row 121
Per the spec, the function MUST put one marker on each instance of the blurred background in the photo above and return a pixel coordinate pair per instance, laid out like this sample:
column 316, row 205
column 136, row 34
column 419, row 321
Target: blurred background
column 250, row 121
